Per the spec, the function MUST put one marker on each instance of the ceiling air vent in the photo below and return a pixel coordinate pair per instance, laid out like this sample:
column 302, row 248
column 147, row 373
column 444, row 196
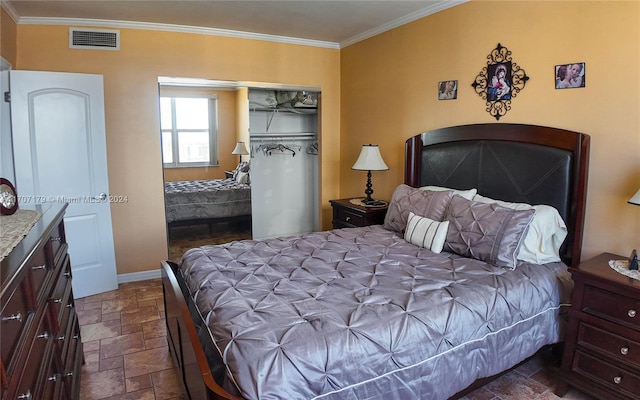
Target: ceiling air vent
column 97, row 39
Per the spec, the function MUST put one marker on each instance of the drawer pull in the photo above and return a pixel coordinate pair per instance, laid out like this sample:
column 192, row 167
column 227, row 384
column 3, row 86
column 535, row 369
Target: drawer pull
column 631, row 313
column 69, row 375
column 61, row 337
column 56, row 239
column 76, row 336
column 43, row 266
column 67, row 274
column 53, row 378
column 57, row 301
column 24, row 395
column 347, row 219
column 624, row 351
column 44, row 335
column 69, row 305
column 13, row 317
column 617, row 380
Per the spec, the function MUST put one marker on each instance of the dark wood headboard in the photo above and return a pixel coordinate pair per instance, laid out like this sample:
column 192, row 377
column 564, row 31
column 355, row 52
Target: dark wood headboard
column 511, row 162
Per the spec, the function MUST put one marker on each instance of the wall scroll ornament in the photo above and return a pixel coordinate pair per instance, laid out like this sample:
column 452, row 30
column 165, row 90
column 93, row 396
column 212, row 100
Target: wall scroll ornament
column 500, row 81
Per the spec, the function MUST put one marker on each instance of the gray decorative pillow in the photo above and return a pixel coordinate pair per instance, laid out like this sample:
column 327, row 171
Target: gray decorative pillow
column 242, row 167
column 487, row 232
column 406, row 199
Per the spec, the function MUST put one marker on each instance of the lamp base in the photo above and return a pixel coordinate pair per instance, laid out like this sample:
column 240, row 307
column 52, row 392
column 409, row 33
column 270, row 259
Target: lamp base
column 368, row 191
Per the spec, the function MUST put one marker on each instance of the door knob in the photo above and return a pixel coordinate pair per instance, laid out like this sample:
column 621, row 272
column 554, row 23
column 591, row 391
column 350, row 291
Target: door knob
column 101, row 197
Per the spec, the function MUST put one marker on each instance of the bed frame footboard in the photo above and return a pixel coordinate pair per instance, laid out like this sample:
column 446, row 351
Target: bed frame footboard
column 196, row 373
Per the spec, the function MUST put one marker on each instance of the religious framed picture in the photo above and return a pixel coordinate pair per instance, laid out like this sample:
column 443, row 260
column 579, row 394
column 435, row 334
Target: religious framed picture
column 499, row 81
column 447, row 90
column 570, row 75
column 499, row 87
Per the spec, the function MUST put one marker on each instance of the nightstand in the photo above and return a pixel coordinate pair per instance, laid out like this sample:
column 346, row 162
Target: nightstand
column 602, row 344
column 349, row 215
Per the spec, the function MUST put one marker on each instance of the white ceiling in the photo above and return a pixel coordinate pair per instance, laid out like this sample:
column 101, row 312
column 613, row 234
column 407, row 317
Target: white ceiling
column 316, row 22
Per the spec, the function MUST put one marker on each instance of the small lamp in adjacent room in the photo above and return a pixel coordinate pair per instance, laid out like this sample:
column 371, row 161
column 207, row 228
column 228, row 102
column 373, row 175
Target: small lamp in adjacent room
column 635, row 199
column 240, row 150
column 633, row 259
column 369, row 160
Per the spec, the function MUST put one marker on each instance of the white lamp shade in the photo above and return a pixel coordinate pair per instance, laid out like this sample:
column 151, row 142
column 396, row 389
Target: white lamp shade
column 370, row 159
column 635, row 199
column 240, row 149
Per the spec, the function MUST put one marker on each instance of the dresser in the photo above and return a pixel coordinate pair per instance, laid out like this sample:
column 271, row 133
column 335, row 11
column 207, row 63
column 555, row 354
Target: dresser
column 349, row 215
column 41, row 346
column 602, row 344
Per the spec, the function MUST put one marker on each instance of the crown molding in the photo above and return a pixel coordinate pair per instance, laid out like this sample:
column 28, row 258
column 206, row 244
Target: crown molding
column 10, row 10
column 175, row 28
column 439, row 6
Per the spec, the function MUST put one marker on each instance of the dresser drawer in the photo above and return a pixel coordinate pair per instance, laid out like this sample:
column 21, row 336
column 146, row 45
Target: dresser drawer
column 57, row 242
column 15, row 317
column 60, row 299
column 349, row 217
column 611, row 306
column 40, row 270
column 73, row 361
column 613, row 377
column 613, row 345
column 37, row 362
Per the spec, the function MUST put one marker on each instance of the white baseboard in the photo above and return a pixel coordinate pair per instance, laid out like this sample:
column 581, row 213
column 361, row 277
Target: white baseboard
column 139, row 276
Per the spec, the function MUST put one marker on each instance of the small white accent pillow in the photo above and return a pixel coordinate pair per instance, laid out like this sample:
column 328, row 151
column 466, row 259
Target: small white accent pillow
column 467, row 194
column 242, row 177
column 425, row 232
column 545, row 235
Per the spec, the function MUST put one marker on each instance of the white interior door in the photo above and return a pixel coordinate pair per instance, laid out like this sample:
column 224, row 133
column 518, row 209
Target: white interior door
column 60, row 156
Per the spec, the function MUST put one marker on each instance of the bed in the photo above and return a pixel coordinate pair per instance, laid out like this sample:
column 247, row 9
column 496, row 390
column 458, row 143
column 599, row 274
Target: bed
column 366, row 313
column 208, row 201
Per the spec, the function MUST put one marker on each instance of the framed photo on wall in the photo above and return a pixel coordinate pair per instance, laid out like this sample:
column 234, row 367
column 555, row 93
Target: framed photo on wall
column 570, row 76
column 447, row 90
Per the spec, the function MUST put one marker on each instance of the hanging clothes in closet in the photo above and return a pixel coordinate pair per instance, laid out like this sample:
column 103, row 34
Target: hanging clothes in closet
column 284, row 170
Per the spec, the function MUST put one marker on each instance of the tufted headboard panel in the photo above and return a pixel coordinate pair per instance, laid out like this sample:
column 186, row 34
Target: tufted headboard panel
column 511, row 162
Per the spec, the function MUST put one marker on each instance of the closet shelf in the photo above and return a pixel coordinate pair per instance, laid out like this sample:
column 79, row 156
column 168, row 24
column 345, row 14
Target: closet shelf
column 292, row 110
column 281, row 135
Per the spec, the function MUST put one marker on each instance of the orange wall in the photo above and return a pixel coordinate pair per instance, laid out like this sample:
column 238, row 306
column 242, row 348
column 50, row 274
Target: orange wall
column 389, row 93
column 132, row 123
column 8, row 46
column 381, row 90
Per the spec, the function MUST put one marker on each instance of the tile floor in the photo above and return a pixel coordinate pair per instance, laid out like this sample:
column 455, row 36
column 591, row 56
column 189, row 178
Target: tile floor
column 125, row 347
column 127, row 357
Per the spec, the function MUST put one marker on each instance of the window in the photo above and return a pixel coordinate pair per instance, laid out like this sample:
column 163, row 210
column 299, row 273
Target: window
column 189, row 131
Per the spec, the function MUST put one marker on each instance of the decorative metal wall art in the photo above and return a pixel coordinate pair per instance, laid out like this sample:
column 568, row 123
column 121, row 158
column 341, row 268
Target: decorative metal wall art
column 500, row 81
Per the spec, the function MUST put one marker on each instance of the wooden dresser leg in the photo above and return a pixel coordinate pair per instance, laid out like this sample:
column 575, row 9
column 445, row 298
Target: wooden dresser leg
column 561, row 388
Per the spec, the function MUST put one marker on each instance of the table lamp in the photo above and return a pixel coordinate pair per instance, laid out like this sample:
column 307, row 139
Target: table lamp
column 633, row 259
column 635, row 199
column 240, row 150
column 369, row 160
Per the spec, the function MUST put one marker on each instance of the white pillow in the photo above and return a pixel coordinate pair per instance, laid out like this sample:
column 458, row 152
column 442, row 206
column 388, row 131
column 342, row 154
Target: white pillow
column 545, row 235
column 242, row 177
column 467, row 194
column 425, row 232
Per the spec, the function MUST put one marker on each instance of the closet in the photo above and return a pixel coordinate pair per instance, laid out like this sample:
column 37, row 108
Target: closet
column 283, row 133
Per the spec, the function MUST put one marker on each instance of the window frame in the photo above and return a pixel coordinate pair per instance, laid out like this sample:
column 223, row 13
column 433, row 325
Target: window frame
column 214, row 160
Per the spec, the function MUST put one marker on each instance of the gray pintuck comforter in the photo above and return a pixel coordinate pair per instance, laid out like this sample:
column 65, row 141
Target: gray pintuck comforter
column 362, row 314
column 213, row 198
